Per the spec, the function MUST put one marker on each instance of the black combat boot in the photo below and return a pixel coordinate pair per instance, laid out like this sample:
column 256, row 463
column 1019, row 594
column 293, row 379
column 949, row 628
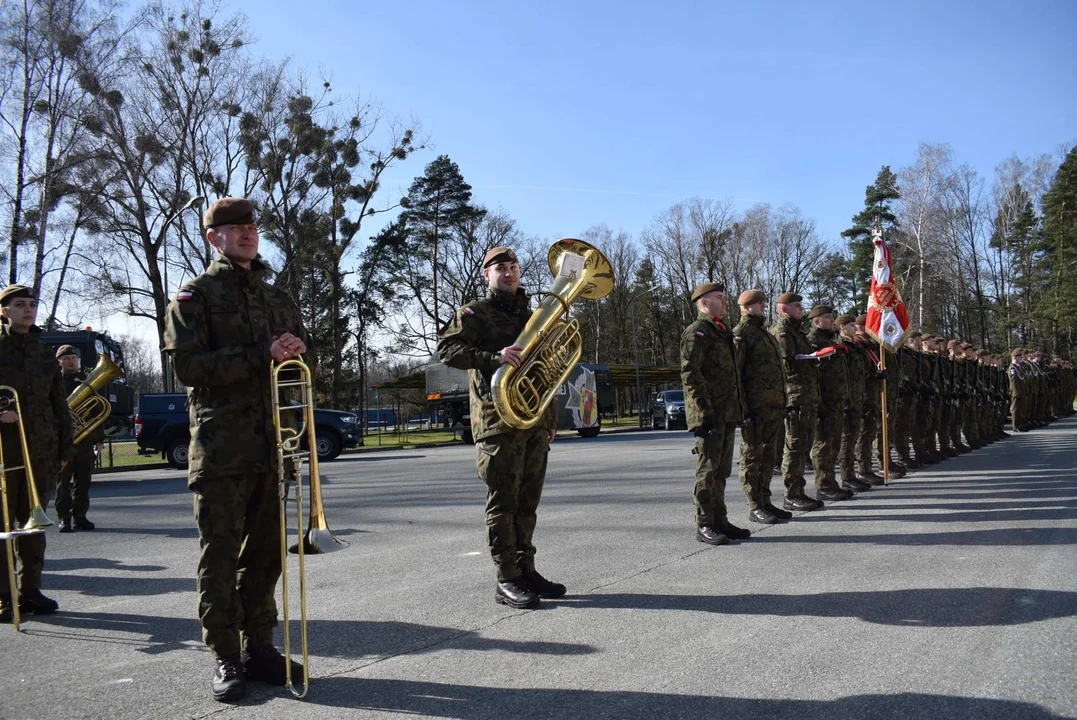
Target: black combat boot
column 6, row 609
column 732, row 531
column 542, row 587
column 911, row 463
column 229, row 682
column 852, row 484
column 778, row 512
column 707, row 534
column 763, row 516
column 801, row 502
column 33, row 602
column 264, row 663
column 65, row 525
column 833, row 494
column 515, row 593
column 81, row 523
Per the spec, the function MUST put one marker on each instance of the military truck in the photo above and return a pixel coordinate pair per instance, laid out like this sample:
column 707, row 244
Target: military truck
column 90, row 345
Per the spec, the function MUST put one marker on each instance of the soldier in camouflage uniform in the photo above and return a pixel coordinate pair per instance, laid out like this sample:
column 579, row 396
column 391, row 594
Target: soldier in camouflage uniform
column 714, row 409
column 802, row 404
column 222, row 332
column 947, row 399
column 73, row 487
column 872, row 416
column 29, row 366
column 970, row 424
column 833, row 401
column 512, row 463
column 857, row 364
column 1015, row 375
column 905, row 430
column 927, row 411
column 960, row 394
column 893, row 414
column 763, row 385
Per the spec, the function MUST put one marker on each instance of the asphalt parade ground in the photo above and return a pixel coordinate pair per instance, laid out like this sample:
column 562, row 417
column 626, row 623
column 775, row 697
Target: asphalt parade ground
column 951, row 593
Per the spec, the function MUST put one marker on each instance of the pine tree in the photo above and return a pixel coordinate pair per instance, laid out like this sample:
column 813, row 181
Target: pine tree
column 877, row 199
column 1058, row 264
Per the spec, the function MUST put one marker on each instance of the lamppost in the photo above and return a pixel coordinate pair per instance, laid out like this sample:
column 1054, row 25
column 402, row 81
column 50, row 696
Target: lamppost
column 635, row 348
column 194, row 202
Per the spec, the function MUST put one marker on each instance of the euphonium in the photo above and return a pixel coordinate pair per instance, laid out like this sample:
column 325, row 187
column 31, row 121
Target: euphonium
column 88, row 409
column 551, row 345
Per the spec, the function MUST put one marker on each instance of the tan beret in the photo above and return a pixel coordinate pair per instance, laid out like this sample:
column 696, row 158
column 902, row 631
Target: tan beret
column 750, row 297
column 861, row 319
column 1016, row 352
column 927, row 336
column 707, row 287
column 65, row 350
column 952, row 344
column 789, row 297
column 498, row 254
column 915, row 334
column 820, row 310
column 845, row 319
column 16, row 291
column 229, row 211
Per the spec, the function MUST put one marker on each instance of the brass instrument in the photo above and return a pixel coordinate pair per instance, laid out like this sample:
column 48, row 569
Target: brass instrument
column 551, row 345
column 318, row 539
column 38, row 521
column 88, row 409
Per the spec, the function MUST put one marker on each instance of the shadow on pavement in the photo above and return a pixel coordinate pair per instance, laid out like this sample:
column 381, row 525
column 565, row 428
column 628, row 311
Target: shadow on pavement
column 471, row 702
column 925, row 607
column 1001, row 537
column 113, row 586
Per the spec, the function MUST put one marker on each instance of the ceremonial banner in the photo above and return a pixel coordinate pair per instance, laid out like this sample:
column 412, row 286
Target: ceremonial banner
column 887, row 320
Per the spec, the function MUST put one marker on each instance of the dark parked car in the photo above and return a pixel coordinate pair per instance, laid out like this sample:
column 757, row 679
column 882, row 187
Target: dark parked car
column 667, row 410
column 162, row 426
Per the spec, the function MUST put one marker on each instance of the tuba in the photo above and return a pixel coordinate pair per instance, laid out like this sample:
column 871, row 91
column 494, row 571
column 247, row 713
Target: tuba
column 551, row 345
column 88, row 409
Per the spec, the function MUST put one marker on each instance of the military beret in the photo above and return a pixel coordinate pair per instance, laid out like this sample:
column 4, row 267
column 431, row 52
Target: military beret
column 65, row 350
column 845, row 319
column 820, row 310
column 229, row 211
column 789, row 297
column 1016, row 352
column 750, row 297
column 967, row 346
column 927, row 336
column 16, row 291
column 707, row 287
column 498, row 254
column 951, row 344
column 861, row 319
column 916, row 334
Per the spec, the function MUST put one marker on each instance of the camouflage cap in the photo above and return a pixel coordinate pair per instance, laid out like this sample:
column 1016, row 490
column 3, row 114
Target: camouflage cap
column 229, row 211
column 820, row 310
column 789, row 297
column 16, row 291
column 65, row 350
column 707, row 287
column 498, row 254
column 845, row 319
column 750, row 297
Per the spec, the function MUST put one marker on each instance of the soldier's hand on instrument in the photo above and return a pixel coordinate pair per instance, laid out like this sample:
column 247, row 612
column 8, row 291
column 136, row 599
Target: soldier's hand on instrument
column 511, row 355
column 552, row 433
column 9, row 416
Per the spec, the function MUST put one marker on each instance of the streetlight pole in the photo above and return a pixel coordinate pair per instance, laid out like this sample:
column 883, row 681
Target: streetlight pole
column 194, row 202
column 635, row 349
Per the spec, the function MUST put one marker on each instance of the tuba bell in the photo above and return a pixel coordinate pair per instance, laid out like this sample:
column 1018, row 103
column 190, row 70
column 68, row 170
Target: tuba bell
column 88, row 409
column 551, row 345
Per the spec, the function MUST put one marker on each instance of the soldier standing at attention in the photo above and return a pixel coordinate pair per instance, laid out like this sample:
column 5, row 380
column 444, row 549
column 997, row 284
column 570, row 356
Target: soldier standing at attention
column 959, row 380
column 905, row 430
column 222, row 331
column 713, row 408
column 857, row 366
column 927, row 411
column 512, row 463
column 74, row 498
column 833, row 400
column 763, row 385
column 873, row 405
column 1017, row 391
column 30, row 367
column 802, row 403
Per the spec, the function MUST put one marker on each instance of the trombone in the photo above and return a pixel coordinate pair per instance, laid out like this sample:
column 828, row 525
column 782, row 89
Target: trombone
column 38, row 520
column 319, row 538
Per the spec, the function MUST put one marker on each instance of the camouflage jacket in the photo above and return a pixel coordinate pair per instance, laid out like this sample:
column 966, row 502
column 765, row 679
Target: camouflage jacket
column 218, row 331
column 930, row 382
column 910, row 362
column 833, row 372
column 873, row 386
column 72, row 381
column 473, row 341
column 762, row 373
column 709, row 374
column 857, row 366
column 30, row 367
column 801, row 376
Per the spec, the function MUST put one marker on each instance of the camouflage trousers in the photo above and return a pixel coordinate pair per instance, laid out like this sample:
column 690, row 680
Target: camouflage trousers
column 850, row 433
column 869, row 426
column 970, row 424
column 73, row 483
column 905, row 429
column 799, row 438
column 941, row 420
column 758, row 457
column 893, row 418
column 239, row 531
column 29, row 549
column 923, row 438
column 714, row 462
column 513, row 467
column 957, row 416
column 824, row 451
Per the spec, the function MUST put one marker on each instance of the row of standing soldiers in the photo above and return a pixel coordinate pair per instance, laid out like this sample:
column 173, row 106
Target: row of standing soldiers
column 798, row 393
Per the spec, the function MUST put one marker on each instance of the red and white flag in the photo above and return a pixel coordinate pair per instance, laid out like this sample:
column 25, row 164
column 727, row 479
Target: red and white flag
column 887, row 320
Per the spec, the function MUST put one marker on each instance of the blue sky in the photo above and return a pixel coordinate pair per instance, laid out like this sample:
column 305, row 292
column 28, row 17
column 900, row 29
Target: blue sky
column 572, row 114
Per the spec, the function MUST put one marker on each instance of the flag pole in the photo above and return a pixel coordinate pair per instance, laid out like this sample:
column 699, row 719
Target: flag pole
column 886, row 440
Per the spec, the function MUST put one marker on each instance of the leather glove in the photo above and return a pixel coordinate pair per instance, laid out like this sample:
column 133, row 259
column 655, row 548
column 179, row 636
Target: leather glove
column 706, row 428
column 880, row 374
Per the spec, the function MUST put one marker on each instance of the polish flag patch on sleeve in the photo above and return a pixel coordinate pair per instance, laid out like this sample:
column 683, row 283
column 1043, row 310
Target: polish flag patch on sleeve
column 699, row 334
column 185, row 295
column 468, row 311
